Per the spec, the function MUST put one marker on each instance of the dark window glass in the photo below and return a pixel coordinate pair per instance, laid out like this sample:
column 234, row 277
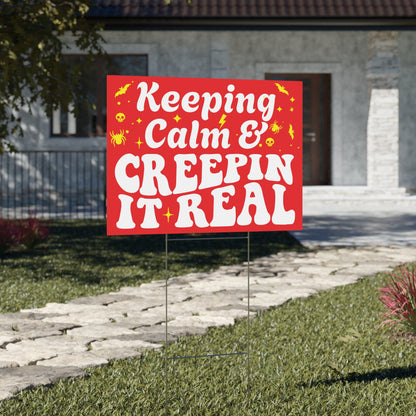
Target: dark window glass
column 92, row 122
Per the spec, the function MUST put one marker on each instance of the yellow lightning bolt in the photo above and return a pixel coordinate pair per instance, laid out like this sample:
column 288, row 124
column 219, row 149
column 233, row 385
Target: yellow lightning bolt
column 291, row 132
column 222, row 120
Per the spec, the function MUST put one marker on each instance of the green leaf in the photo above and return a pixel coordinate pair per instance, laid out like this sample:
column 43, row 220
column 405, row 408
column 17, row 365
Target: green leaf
column 334, row 367
column 348, row 339
column 33, row 29
column 354, row 333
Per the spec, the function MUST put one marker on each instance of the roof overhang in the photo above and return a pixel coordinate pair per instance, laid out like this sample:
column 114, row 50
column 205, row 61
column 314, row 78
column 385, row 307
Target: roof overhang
column 241, row 23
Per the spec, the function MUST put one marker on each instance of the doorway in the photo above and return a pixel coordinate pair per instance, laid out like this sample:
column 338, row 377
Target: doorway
column 316, row 125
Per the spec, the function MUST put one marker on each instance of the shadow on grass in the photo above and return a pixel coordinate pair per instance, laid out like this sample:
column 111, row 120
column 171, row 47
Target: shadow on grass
column 382, row 374
column 79, row 259
column 90, row 240
column 81, row 250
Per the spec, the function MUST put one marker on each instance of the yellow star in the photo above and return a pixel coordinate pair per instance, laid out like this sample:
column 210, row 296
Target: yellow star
column 279, row 109
column 139, row 142
column 176, row 118
column 168, row 215
column 139, row 120
column 292, row 99
column 291, row 109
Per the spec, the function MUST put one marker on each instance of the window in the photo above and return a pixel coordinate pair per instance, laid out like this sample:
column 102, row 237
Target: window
column 92, row 122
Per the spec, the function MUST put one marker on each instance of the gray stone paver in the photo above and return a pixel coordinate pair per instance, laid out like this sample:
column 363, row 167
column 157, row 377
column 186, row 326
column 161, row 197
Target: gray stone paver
column 42, row 345
column 89, row 333
column 135, row 344
column 15, row 379
column 84, row 359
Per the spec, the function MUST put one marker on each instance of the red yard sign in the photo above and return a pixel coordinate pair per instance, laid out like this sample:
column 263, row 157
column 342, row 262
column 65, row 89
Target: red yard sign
column 187, row 155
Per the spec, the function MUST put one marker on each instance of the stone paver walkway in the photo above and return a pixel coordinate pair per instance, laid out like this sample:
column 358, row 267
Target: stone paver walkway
column 40, row 346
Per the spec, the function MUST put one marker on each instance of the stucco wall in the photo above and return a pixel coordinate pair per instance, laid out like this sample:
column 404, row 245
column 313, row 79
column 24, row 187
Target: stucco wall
column 249, row 54
column 407, row 106
column 340, row 54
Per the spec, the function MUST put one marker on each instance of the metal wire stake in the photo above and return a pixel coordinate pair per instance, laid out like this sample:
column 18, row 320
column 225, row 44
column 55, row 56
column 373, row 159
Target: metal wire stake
column 167, row 358
column 248, row 321
column 166, row 325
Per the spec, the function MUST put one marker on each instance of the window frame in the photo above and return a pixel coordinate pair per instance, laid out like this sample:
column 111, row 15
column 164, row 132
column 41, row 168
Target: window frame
column 100, row 124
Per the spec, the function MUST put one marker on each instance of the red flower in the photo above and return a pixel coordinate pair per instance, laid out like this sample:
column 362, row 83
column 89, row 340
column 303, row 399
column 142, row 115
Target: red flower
column 399, row 296
column 29, row 232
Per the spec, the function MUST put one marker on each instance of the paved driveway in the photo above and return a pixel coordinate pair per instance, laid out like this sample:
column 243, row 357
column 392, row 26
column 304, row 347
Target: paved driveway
column 358, row 229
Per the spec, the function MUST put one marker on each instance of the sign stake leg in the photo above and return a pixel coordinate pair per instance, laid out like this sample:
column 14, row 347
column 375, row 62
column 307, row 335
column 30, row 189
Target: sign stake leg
column 248, row 321
column 166, row 325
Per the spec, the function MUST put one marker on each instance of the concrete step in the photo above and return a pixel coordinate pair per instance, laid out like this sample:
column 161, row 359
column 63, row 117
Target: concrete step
column 313, row 192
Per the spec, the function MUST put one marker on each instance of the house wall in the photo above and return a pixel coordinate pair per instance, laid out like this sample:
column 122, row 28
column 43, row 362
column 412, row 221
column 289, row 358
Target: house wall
column 250, row 54
column 407, row 104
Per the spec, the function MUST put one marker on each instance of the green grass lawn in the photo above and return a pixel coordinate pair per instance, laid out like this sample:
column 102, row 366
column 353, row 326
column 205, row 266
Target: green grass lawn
column 317, row 356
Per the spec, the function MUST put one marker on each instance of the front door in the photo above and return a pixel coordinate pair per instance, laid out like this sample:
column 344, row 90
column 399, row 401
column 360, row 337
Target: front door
column 316, row 125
